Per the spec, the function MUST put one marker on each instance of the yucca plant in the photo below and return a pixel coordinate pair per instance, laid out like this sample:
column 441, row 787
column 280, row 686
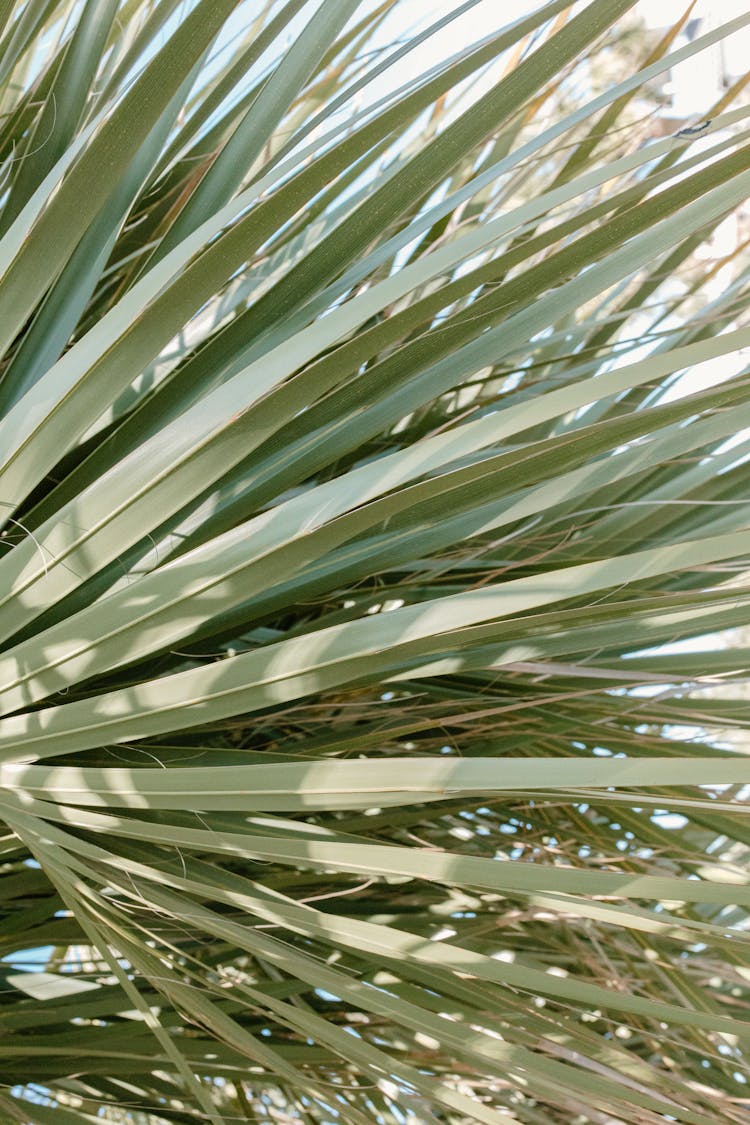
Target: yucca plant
column 372, row 428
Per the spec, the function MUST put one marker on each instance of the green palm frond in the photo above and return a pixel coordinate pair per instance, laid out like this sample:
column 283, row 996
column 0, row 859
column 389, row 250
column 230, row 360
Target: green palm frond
column 374, row 414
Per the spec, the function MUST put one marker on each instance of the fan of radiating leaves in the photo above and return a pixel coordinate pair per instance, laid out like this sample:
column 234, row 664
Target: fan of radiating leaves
column 374, row 415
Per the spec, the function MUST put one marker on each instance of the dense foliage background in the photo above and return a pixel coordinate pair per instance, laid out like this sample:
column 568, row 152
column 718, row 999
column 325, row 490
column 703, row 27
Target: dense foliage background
column 373, row 437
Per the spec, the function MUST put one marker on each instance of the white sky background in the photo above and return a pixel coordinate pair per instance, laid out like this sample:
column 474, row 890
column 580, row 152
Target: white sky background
column 696, row 78
column 491, row 14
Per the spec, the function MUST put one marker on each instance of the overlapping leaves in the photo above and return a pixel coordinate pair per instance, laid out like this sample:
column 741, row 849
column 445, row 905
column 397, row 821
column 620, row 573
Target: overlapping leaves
column 350, row 473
